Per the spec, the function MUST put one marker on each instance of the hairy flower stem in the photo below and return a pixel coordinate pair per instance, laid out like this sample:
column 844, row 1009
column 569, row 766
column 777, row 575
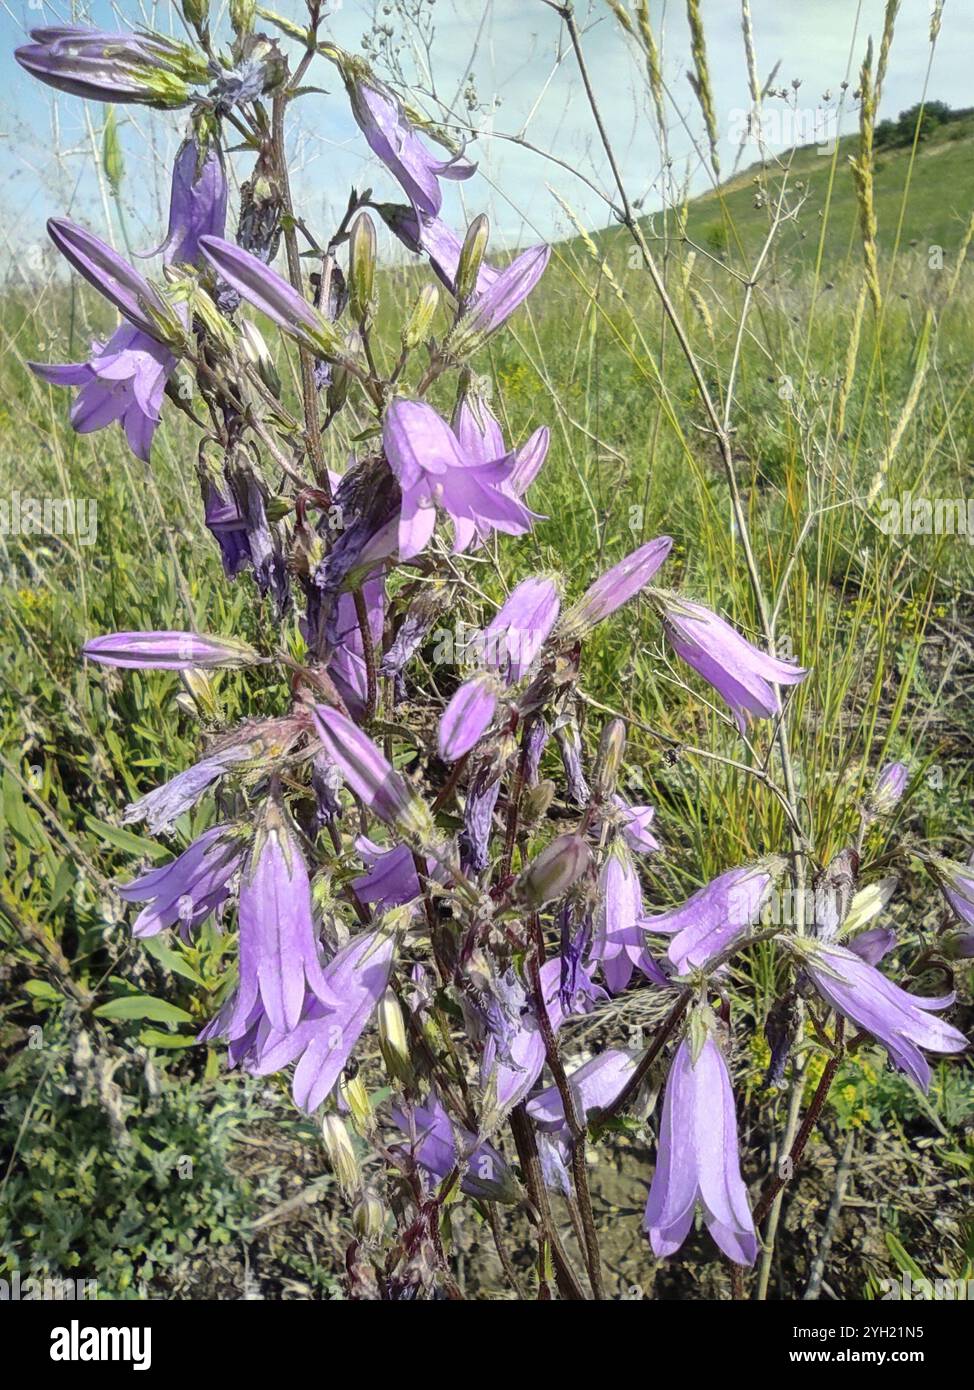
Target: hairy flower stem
column 309, row 392
column 575, row 1122
column 368, row 656
column 770, row 1200
column 530, row 1161
column 510, row 1274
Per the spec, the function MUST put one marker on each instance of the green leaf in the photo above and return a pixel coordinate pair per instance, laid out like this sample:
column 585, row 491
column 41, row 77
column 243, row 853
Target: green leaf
column 142, row 1006
column 124, row 839
column 151, row 1037
column 171, row 959
column 902, row 1259
column 40, row 989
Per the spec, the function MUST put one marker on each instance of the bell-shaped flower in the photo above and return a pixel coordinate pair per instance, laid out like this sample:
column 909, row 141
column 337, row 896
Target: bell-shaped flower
column 509, row 1079
column 355, row 981
column 901, row 1022
column 124, row 380
column 595, row 1085
column 512, row 640
column 618, row 940
column 197, row 202
column 162, row 807
column 278, row 940
column 890, row 785
column 438, row 1146
column 346, row 658
column 272, row 295
column 116, row 67
column 616, row 587
column 369, row 774
column 715, row 916
column 467, row 717
column 434, row 471
column 112, row 276
column 168, row 650
column 697, row 1159
column 391, row 135
column 490, row 310
column 742, row 675
column 635, row 822
column 187, row 889
column 957, row 884
column 434, row 238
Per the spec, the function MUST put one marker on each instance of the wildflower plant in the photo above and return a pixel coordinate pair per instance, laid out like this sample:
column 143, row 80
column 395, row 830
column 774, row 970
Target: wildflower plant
column 430, row 877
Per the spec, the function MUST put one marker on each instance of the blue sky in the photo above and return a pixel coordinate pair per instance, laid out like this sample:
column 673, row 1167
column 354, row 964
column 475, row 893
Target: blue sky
column 529, row 85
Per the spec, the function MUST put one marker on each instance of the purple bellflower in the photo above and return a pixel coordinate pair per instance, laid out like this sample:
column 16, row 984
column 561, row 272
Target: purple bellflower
column 124, row 380
column 103, row 66
column 478, row 818
column 742, row 675
column 278, row 941
column 168, row 650
column 326, row 1036
column 715, row 916
column 901, row 1022
column 890, row 786
column 434, row 471
column 163, row 806
column 197, row 203
column 346, row 660
column 490, row 310
column 635, row 822
column 369, row 774
column 272, row 295
column 618, row 942
column 434, row 238
column 126, row 377
column 392, row 137
column 595, row 1085
column 957, row 884
column 467, row 717
column 697, row 1159
column 616, row 587
column 187, row 889
column 514, row 1076
column 111, row 276
column 512, row 640
column 433, row 1146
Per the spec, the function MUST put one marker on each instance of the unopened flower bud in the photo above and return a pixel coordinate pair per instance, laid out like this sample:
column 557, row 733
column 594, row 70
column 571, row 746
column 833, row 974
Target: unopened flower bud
column 554, row 871
column 361, row 267
column 416, row 329
column 199, row 694
column 536, row 801
column 471, row 258
column 369, row 1218
column 355, row 1095
column 257, row 353
column 341, row 1154
column 889, row 788
column 392, row 1038
column 612, row 748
